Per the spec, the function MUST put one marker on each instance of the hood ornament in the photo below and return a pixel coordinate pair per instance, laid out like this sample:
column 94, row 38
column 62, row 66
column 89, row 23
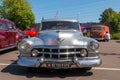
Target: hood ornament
column 59, row 41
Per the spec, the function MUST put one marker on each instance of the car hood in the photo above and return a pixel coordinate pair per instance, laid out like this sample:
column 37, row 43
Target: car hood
column 61, row 37
column 97, row 31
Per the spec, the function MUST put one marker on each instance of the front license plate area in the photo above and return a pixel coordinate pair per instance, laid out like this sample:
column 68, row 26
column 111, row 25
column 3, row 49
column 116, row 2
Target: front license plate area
column 58, row 65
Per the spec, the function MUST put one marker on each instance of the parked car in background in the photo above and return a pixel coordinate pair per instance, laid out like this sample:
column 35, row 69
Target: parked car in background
column 30, row 32
column 9, row 35
column 60, row 45
column 20, row 35
column 99, row 31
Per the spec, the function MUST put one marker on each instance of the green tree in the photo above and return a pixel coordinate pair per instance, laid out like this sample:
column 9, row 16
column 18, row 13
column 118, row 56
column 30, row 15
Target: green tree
column 115, row 22
column 106, row 16
column 18, row 11
column 111, row 18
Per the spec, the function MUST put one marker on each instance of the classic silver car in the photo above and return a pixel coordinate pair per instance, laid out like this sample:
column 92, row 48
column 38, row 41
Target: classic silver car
column 60, row 44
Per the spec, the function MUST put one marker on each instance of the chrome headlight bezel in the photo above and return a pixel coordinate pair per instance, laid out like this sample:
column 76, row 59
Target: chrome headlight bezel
column 93, row 45
column 24, row 46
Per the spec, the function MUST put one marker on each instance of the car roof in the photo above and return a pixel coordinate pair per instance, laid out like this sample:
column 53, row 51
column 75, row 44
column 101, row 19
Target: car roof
column 6, row 20
column 59, row 19
column 99, row 25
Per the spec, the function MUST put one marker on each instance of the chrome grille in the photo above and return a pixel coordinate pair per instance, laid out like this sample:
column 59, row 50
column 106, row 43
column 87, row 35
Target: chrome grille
column 96, row 35
column 60, row 53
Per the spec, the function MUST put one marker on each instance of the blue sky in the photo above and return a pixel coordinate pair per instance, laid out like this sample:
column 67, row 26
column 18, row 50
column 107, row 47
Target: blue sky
column 83, row 10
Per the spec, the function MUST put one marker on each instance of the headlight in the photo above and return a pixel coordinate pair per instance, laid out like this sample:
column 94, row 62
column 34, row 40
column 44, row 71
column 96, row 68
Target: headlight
column 84, row 53
column 94, row 45
column 25, row 46
column 34, row 53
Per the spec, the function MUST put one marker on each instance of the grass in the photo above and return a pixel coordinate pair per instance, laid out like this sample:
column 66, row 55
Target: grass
column 115, row 36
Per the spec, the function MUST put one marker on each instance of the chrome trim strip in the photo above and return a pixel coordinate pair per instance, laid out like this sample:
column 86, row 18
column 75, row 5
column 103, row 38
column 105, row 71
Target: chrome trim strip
column 56, row 47
column 94, row 52
column 59, row 53
column 7, row 48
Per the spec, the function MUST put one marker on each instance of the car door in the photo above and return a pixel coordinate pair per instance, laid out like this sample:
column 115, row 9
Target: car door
column 12, row 33
column 4, row 42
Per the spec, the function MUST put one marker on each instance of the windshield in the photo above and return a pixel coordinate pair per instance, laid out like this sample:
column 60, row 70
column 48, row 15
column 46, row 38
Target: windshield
column 60, row 25
column 97, row 28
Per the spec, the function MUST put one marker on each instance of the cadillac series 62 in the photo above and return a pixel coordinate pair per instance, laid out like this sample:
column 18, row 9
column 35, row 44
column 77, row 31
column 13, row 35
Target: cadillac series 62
column 59, row 44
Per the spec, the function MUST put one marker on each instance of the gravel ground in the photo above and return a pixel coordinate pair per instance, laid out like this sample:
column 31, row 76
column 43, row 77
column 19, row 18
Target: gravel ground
column 111, row 47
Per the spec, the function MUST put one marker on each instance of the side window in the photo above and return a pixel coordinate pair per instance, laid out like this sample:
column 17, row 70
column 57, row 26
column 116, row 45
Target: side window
column 10, row 26
column 3, row 25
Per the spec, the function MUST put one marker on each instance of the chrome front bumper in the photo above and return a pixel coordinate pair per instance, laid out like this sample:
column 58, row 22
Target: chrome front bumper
column 79, row 62
column 99, row 38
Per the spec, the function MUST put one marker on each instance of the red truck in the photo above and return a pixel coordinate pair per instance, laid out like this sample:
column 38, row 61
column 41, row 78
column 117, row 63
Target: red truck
column 9, row 35
column 99, row 31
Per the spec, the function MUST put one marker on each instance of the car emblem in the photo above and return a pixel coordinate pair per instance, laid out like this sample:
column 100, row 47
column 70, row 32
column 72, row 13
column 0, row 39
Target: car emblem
column 59, row 41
